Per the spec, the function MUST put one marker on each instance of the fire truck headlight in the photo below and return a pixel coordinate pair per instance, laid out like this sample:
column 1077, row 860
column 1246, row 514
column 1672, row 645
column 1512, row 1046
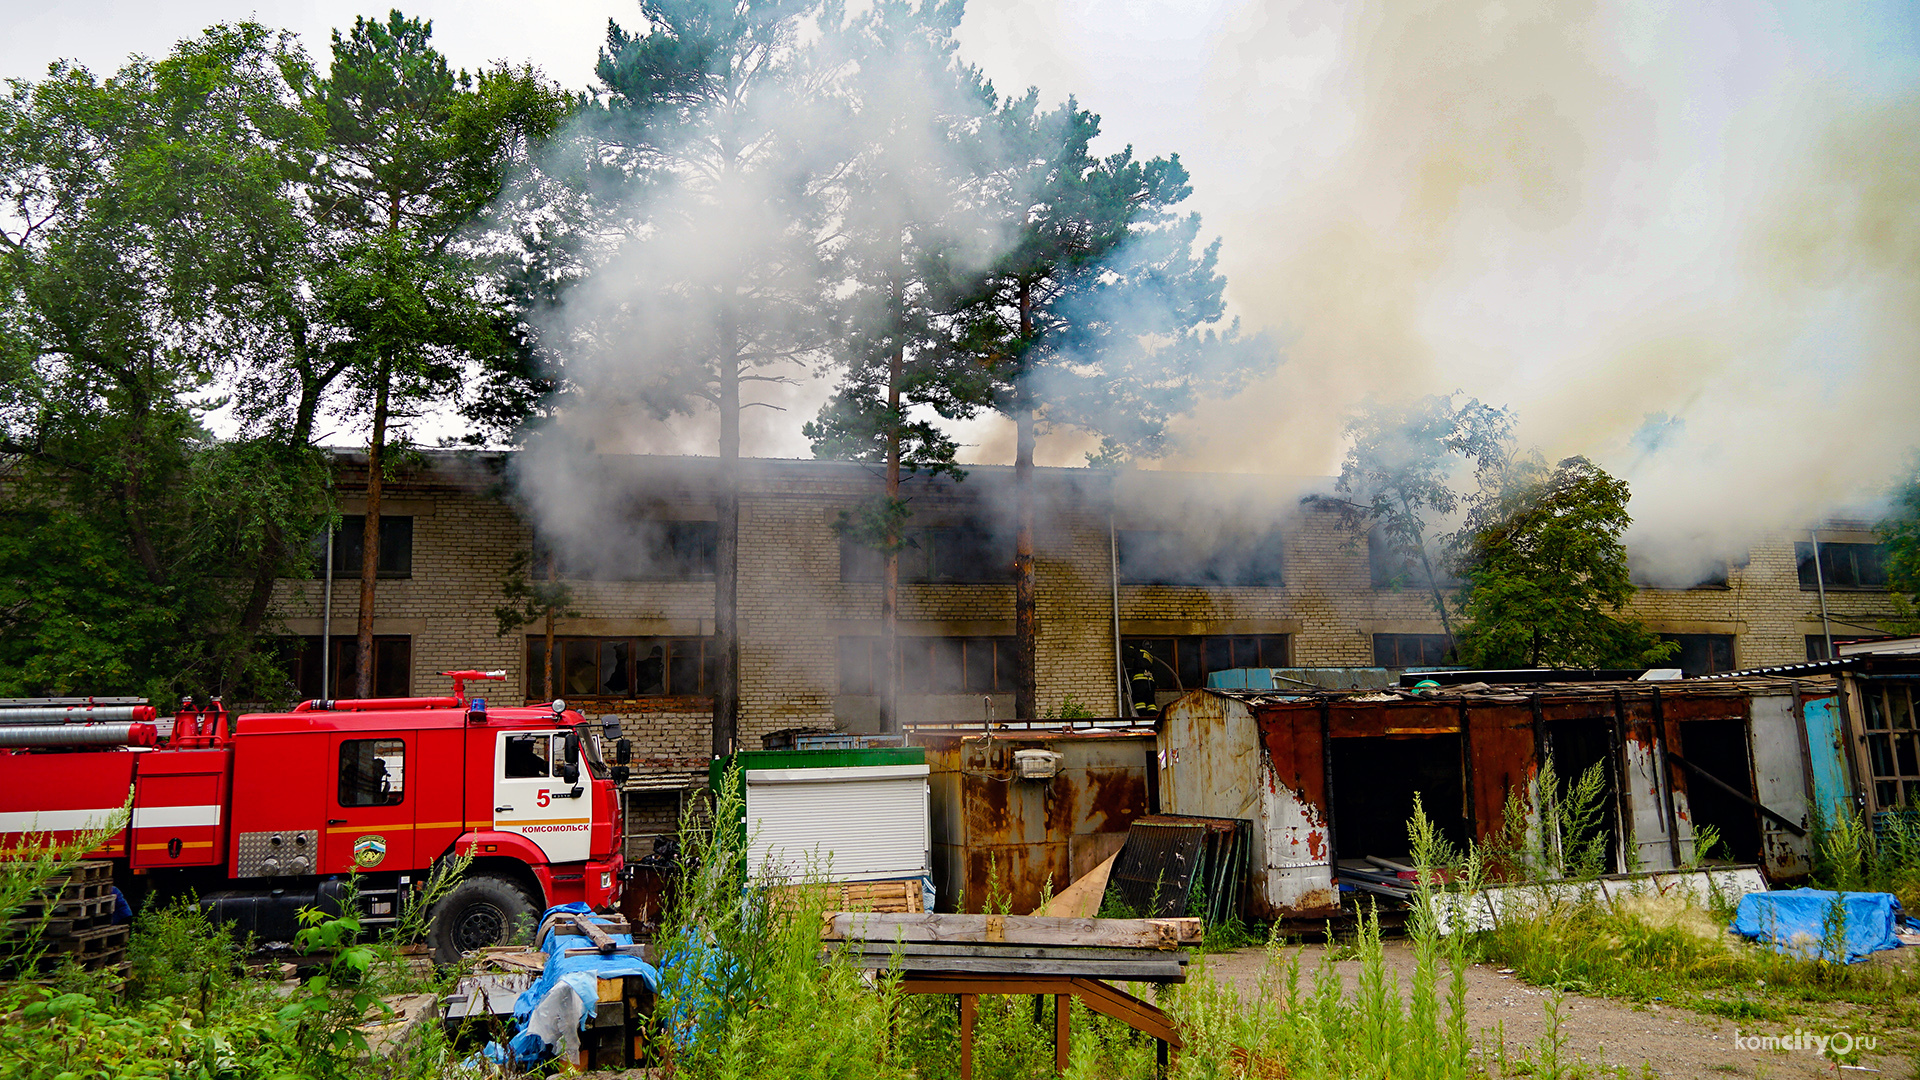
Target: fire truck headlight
column 606, row 880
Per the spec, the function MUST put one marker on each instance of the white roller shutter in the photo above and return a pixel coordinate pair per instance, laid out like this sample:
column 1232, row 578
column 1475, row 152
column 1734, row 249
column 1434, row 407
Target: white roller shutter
column 848, row 824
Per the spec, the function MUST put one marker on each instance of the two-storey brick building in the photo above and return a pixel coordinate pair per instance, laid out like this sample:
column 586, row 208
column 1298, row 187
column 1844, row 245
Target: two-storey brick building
column 1175, row 574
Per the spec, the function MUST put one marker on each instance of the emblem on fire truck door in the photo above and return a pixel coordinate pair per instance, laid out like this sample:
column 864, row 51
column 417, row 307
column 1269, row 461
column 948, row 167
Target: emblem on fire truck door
column 369, row 850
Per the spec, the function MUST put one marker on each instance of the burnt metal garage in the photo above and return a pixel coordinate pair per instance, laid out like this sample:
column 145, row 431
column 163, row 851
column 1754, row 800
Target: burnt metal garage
column 1329, row 778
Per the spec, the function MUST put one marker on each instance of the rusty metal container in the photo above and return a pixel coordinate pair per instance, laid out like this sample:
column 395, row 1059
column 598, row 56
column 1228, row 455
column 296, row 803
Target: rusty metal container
column 996, row 833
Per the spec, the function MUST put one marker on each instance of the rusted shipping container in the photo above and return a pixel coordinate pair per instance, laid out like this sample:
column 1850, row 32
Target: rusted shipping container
column 996, row 832
column 1327, row 777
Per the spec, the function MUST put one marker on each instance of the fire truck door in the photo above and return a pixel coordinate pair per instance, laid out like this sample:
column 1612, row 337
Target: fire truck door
column 370, row 805
column 532, row 798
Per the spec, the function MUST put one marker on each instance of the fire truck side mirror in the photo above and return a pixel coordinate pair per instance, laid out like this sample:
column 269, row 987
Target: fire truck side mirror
column 572, row 748
column 620, row 775
column 623, row 752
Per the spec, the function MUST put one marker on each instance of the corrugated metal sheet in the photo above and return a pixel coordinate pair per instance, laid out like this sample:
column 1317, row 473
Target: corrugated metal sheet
column 842, row 824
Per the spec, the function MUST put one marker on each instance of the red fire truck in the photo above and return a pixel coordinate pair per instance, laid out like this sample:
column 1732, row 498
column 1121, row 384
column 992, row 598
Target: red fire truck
column 263, row 814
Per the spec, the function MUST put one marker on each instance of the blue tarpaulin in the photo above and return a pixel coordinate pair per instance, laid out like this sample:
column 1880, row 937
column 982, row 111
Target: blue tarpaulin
column 580, row 976
column 1794, row 921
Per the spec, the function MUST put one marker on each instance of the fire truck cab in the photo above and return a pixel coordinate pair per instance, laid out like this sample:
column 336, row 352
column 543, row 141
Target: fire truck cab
column 266, row 813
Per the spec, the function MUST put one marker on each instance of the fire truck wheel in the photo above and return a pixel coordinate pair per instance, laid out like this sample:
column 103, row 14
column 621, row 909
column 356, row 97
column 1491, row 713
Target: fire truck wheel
column 481, row 911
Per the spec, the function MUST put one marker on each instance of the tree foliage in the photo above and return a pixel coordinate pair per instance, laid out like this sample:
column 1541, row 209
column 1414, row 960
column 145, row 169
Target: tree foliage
column 1399, row 473
column 134, row 210
column 1900, row 531
column 1546, row 572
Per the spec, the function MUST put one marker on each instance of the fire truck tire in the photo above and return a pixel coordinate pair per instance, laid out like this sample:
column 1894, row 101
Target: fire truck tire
column 479, row 912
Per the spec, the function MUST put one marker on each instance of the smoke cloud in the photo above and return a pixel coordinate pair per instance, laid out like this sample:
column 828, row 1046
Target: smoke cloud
column 1614, row 218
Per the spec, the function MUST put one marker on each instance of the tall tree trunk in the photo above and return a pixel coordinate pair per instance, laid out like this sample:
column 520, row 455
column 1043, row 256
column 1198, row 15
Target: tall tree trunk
column 726, row 556
column 1026, row 611
column 370, row 539
column 890, row 578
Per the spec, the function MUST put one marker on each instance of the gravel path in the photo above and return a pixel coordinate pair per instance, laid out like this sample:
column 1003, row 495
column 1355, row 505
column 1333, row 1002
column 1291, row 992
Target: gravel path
column 1675, row 1042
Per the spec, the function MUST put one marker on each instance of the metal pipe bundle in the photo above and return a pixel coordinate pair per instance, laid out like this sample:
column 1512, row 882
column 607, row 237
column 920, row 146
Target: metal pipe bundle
column 75, row 714
column 116, row 734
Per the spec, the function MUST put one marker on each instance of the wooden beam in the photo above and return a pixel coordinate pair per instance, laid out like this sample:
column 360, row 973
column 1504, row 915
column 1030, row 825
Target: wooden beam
column 600, row 938
column 1141, row 970
column 968, row 1004
column 1013, row 929
column 1007, row 952
column 1062, row 1020
column 1140, row 1015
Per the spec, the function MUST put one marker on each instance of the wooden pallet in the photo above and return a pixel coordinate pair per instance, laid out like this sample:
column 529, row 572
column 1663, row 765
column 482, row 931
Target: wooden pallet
column 65, row 917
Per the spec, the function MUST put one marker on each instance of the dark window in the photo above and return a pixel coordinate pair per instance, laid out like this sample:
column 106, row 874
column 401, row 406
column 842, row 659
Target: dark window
column 941, row 555
column 1817, row 647
column 373, row 772
column 622, row 667
column 1893, row 743
column 930, row 665
column 1701, row 654
column 637, row 550
column 1844, row 566
column 349, row 542
column 1149, row 557
column 1712, row 575
column 530, row 757
column 1183, row 663
column 1412, row 650
column 392, row 666
column 1391, row 569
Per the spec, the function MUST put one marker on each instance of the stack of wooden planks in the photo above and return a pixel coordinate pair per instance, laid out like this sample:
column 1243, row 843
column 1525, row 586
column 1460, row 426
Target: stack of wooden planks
column 894, row 897
column 1065, row 958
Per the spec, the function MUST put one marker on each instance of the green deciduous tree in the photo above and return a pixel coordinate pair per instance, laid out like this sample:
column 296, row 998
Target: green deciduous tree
column 135, row 208
column 1096, row 315
column 1399, row 472
column 1900, row 531
column 1546, row 572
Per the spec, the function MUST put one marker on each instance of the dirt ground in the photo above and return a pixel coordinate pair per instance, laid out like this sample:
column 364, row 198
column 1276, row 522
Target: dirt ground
column 1601, row 1032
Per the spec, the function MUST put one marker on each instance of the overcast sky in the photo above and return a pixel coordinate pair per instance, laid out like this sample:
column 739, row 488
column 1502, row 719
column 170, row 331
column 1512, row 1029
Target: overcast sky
column 1589, row 210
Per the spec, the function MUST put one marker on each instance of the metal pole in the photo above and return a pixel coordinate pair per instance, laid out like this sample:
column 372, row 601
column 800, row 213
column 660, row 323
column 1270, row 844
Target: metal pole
column 1122, row 700
column 326, row 617
column 1820, row 582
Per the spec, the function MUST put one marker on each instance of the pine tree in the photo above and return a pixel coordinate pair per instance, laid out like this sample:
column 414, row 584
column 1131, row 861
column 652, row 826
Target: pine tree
column 723, row 272
column 1098, row 316
column 916, row 113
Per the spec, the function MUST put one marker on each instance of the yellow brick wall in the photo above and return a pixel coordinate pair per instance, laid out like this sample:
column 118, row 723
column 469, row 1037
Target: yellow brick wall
column 794, row 605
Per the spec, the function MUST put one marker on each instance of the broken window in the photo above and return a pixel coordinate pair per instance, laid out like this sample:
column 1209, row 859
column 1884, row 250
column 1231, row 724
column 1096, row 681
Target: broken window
column 1160, row 664
column 644, row 549
column 372, row 772
column 350, row 541
column 1412, row 650
column 1700, row 654
column 930, row 665
column 1893, row 742
column 1842, row 566
column 622, row 667
column 966, row 554
column 1155, row 557
column 392, row 666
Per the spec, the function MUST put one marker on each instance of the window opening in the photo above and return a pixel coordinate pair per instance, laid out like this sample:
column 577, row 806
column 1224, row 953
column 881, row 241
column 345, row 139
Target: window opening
column 372, row 772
